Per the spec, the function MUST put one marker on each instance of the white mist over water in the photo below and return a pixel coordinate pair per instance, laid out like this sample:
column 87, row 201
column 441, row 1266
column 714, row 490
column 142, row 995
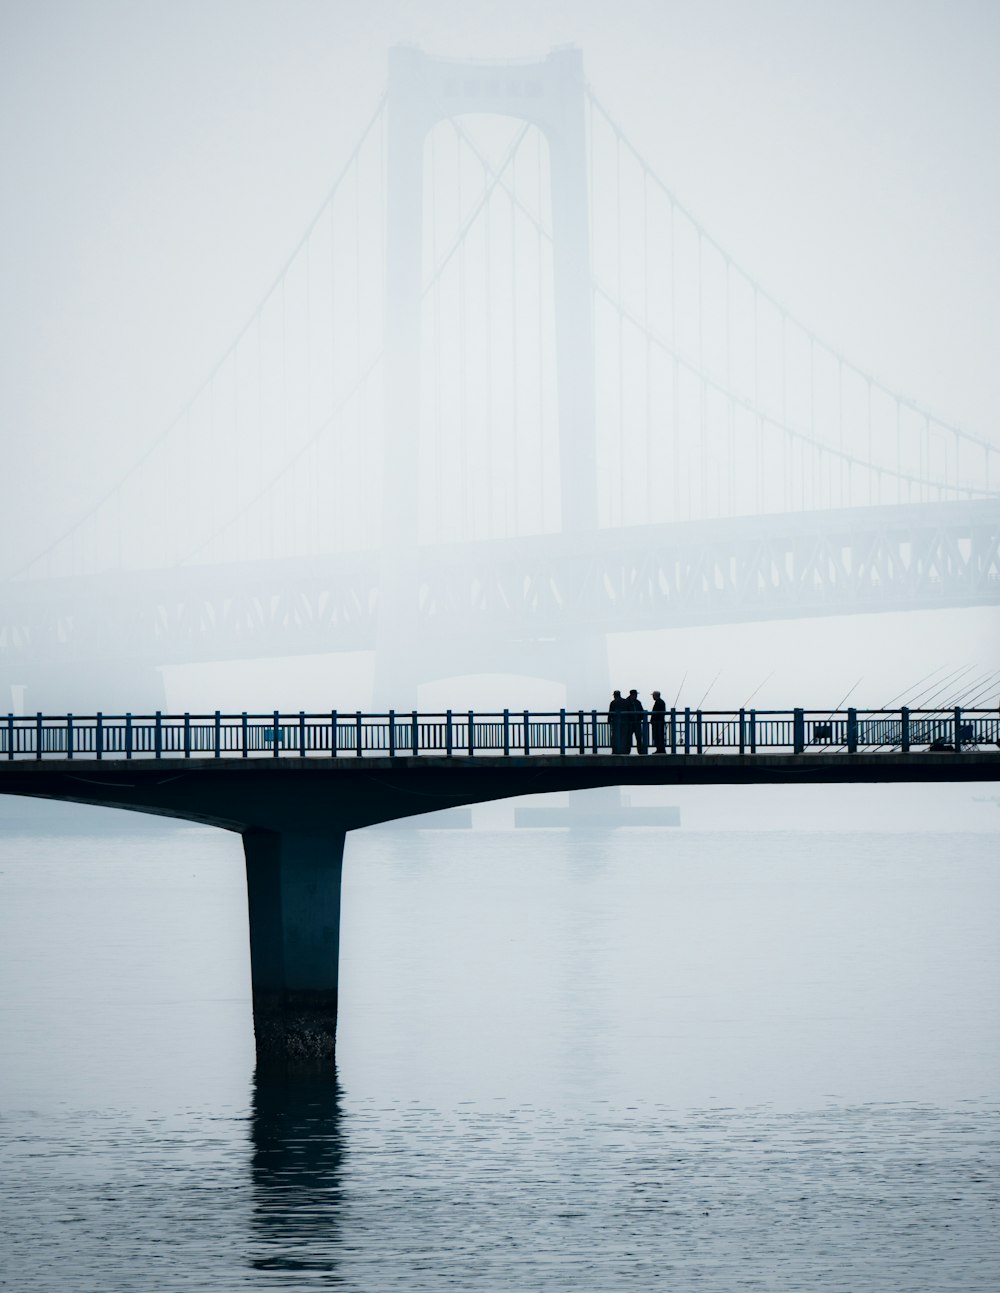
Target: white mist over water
column 163, row 163
column 761, row 1047
column 564, row 1061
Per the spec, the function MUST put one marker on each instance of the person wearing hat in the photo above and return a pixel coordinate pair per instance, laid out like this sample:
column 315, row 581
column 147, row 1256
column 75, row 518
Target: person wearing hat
column 658, row 723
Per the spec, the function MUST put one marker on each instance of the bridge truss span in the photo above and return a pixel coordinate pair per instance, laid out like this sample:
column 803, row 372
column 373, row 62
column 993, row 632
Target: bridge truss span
column 550, row 587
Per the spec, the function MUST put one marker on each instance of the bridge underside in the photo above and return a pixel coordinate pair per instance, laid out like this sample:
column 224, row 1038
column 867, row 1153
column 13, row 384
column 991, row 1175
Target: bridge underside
column 493, row 605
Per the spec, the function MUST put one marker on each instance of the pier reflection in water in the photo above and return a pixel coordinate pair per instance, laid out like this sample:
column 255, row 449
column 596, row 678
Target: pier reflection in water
column 296, row 1173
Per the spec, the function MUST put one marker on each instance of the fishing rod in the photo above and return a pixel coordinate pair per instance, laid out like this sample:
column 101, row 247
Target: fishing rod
column 958, row 697
column 936, row 687
column 757, row 689
column 708, row 689
column 847, row 696
column 938, row 683
column 682, row 682
column 984, row 690
column 909, row 689
column 926, row 702
column 840, row 705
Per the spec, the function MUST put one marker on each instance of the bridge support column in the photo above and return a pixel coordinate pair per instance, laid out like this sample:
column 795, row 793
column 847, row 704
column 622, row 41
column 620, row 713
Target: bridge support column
column 293, row 891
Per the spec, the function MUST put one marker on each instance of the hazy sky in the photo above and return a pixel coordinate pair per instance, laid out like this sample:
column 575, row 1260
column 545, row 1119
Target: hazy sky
column 160, row 161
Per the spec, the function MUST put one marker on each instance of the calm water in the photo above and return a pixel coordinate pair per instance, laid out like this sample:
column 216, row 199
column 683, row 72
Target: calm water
column 691, row 1059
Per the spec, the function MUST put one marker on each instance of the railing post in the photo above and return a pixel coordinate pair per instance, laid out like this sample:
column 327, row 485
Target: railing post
column 392, row 733
column 447, row 733
column 506, row 731
column 753, row 731
column 333, row 733
column 358, row 732
column 69, row 735
column 218, row 734
column 416, row 734
column 904, row 730
column 698, row 730
column 38, row 735
column 673, row 729
column 852, row 731
column 158, row 734
column 958, row 730
column 187, row 736
column 593, row 730
column 10, row 736
column 99, row 738
column 743, row 731
column 244, row 733
column 562, row 732
column 799, row 731
column 527, row 734
column 276, row 720
column 128, row 736
column 580, row 733
column 687, row 729
column 472, row 733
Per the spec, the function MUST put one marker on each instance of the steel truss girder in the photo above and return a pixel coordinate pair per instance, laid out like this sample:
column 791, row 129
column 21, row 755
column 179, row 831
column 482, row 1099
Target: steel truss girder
column 537, row 588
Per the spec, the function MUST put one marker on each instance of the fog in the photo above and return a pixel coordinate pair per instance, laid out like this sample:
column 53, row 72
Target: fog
column 190, row 368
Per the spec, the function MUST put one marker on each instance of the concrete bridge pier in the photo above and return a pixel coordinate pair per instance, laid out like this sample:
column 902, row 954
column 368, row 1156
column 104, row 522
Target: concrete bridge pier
column 293, row 891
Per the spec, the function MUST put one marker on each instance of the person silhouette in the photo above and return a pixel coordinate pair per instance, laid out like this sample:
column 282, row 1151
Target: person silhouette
column 658, row 723
column 616, row 722
column 636, row 724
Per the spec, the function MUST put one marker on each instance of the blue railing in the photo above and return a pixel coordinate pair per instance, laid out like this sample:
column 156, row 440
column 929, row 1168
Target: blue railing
column 509, row 732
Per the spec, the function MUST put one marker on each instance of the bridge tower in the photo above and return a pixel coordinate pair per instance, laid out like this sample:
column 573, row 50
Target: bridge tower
column 549, row 95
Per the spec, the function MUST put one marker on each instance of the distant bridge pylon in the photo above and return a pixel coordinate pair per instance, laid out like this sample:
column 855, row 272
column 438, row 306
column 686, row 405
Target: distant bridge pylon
column 502, row 333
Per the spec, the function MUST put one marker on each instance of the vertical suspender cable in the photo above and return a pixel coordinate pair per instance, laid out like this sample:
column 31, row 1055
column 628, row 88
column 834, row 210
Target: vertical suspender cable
column 899, row 454
column 541, row 337
column 649, row 345
column 871, row 456
column 437, row 394
column 621, row 330
column 362, row 523
column 786, row 484
column 812, row 426
column 488, row 347
column 840, row 427
column 461, row 503
column 702, row 391
column 513, row 482
column 313, row 482
column 756, row 400
column 328, row 481
column 676, row 430
column 237, row 445
column 730, row 407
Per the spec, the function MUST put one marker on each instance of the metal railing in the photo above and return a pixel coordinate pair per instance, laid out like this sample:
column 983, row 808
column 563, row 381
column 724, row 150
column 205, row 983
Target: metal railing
column 510, row 732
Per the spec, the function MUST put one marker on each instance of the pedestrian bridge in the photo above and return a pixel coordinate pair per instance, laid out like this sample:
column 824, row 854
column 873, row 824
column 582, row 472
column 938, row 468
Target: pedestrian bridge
column 293, row 785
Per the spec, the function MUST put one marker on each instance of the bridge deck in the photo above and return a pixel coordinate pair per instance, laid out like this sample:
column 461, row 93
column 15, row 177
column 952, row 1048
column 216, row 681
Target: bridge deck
column 312, row 796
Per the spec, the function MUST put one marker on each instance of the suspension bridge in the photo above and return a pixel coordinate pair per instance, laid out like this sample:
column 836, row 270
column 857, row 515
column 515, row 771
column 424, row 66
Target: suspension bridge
column 507, row 392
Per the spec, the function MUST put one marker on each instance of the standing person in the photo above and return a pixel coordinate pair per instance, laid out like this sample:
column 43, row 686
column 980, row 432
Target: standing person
column 658, row 722
column 636, row 723
column 616, row 722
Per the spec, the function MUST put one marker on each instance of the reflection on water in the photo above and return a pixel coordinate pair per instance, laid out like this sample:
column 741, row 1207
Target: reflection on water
column 296, row 1170
column 573, row 1064
column 321, row 1190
